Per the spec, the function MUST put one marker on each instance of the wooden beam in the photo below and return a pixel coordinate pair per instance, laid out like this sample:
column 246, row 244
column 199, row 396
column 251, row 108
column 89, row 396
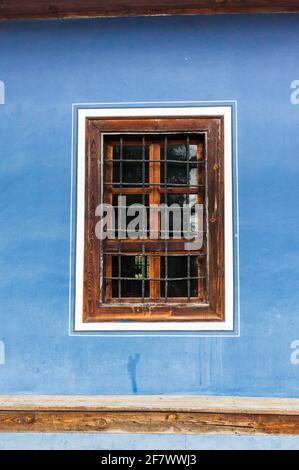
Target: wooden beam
column 30, row 9
column 149, row 414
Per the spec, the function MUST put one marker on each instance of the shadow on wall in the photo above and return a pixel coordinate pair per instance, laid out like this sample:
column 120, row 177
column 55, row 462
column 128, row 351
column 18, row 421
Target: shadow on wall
column 132, row 365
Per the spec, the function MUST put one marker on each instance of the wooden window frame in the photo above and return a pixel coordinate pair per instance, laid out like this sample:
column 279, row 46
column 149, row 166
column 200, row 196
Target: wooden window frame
column 223, row 117
column 93, row 310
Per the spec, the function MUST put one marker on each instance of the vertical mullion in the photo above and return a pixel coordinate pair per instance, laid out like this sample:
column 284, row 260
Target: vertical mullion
column 108, row 199
column 154, row 176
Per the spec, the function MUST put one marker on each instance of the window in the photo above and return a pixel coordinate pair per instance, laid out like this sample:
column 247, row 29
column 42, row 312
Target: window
column 154, row 225
column 152, row 266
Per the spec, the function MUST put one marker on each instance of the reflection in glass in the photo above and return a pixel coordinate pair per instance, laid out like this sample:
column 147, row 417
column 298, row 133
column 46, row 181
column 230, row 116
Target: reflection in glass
column 176, row 227
column 179, row 173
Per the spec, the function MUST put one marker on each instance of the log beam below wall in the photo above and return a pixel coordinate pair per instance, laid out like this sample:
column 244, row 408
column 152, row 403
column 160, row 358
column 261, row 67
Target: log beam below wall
column 20, row 9
column 149, row 414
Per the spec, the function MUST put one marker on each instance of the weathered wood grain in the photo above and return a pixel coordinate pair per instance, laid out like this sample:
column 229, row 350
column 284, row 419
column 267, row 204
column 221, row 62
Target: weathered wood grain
column 149, row 414
column 11, row 9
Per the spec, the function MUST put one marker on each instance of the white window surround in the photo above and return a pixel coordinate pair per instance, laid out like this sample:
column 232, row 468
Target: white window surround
column 228, row 324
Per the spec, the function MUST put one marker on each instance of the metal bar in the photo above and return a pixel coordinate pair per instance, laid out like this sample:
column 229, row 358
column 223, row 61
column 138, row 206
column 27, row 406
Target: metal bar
column 206, row 205
column 188, row 278
column 157, row 184
column 108, row 230
column 188, row 202
column 119, row 277
column 154, row 278
column 143, row 202
column 166, row 202
column 188, row 158
column 126, row 207
column 176, row 162
column 121, row 162
column 116, row 253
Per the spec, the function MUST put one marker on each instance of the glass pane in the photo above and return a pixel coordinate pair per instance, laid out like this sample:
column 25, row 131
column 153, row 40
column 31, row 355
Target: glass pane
column 131, row 267
column 177, row 173
column 130, row 171
column 136, row 225
column 172, row 221
column 193, row 176
column 177, row 269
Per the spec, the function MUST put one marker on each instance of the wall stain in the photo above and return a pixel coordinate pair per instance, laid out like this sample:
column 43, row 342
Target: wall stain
column 131, row 366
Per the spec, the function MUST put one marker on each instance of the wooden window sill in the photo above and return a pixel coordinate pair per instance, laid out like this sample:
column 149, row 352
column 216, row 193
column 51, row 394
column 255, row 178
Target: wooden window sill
column 149, row 414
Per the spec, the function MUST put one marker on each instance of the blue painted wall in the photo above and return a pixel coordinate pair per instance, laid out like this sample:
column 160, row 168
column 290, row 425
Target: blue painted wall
column 47, row 66
column 94, row 441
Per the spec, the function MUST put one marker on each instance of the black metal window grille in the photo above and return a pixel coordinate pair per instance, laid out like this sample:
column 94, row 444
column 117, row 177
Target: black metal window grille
column 173, row 168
